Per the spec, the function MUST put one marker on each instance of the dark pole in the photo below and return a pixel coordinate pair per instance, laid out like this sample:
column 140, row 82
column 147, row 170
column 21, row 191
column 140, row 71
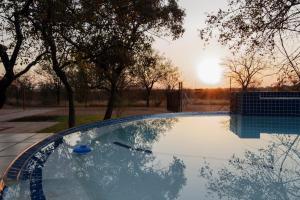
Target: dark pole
column 230, row 84
column 23, row 97
column 180, row 97
column 17, row 95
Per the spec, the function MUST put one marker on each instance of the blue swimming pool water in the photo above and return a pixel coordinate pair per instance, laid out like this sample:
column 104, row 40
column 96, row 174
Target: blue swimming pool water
column 171, row 157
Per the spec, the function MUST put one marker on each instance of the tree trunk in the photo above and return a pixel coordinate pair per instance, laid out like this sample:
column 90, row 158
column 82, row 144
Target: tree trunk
column 244, row 88
column 62, row 76
column 4, row 84
column 111, row 102
column 58, row 94
column 148, row 93
column 70, row 95
column 86, row 100
column 2, row 97
column 148, row 102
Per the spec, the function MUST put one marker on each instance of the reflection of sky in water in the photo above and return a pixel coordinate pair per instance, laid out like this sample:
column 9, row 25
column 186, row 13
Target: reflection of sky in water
column 193, row 158
column 253, row 126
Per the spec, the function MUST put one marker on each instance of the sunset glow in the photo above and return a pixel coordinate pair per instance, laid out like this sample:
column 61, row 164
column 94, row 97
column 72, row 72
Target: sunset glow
column 210, row 72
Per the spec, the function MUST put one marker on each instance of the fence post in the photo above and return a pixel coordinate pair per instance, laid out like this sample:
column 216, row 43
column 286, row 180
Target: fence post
column 23, row 96
column 174, row 99
column 180, row 97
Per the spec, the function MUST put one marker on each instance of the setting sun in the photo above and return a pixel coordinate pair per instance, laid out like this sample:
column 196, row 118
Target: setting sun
column 210, row 72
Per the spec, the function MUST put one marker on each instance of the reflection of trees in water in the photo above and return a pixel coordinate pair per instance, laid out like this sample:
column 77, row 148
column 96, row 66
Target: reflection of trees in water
column 269, row 173
column 144, row 132
column 113, row 172
column 121, row 173
column 130, row 177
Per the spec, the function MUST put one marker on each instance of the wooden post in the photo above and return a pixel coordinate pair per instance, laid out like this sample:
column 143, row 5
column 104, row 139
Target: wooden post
column 180, row 97
column 230, row 84
column 23, row 97
column 17, row 96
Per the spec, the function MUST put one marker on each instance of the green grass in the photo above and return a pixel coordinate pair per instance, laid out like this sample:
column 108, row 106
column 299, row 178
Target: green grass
column 36, row 118
column 63, row 122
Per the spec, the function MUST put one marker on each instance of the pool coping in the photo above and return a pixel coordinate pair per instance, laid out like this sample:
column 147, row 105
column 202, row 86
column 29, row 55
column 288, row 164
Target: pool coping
column 13, row 172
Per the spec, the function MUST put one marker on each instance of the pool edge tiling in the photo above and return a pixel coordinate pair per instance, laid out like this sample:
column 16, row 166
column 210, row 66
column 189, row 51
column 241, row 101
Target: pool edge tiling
column 14, row 172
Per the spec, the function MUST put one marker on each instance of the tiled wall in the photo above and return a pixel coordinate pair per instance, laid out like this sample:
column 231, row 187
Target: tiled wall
column 253, row 126
column 265, row 103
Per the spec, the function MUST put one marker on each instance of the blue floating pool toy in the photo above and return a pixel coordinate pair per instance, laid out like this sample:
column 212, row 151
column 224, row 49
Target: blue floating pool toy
column 82, row 149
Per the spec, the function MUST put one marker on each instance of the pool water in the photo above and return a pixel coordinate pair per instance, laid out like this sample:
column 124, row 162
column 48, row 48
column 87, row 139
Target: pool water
column 177, row 157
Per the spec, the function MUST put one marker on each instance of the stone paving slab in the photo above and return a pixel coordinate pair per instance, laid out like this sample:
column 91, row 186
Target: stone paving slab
column 25, row 127
column 8, row 137
column 4, row 128
column 12, row 144
column 8, row 115
column 4, row 162
column 4, row 111
column 5, row 145
column 15, row 137
column 15, row 149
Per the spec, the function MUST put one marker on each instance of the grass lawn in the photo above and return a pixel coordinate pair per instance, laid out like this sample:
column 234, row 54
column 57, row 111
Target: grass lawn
column 62, row 121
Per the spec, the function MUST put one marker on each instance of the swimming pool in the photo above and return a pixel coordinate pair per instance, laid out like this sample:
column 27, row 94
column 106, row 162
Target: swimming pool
column 168, row 156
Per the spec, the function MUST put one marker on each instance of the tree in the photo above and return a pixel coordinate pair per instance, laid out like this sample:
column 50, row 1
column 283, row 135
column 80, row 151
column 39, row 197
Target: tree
column 150, row 69
column 25, row 89
column 48, row 77
column 110, row 81
column 112, row 33
column 82, row 86
column 244, row 70
column 271, row 25
column 287, row 79
column 46, row 17
column 19, row 51
column 81, row 75
column 289, row 68
column 172, row 78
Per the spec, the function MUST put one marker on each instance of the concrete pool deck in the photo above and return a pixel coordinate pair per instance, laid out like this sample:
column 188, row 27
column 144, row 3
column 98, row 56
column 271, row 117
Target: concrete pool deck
column 11, row 114
column 12, row 144
column 15, row 137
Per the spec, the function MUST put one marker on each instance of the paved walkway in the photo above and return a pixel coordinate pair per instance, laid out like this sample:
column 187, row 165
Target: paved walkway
column 10, row 114
column 24, row 127
column 15, row 137
column 12, row 145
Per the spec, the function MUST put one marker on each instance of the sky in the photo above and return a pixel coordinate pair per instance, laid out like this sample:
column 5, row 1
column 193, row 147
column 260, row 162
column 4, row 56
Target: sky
column 198, row 64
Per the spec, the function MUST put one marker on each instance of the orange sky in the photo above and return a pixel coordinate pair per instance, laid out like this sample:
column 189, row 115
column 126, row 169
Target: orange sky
column 189, row 52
